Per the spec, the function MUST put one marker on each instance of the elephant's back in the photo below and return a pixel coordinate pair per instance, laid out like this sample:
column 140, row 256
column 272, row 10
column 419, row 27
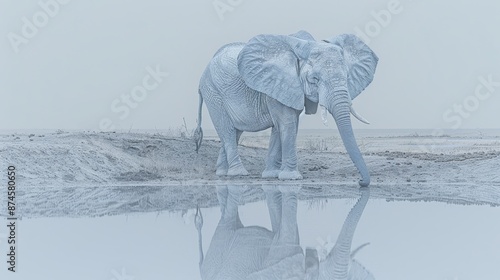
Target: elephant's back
column 224, row 64
column 222, row 70
column 231, row 49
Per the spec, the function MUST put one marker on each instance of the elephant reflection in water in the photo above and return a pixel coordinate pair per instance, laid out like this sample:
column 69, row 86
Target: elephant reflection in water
column 253, row 252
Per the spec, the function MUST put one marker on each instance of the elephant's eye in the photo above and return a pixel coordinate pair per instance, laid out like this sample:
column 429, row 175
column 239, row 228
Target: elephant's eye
column 313, row 79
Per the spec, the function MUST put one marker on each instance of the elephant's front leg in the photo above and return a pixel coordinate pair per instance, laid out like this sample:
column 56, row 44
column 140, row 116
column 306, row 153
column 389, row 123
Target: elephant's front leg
column 273, row 198
column 286, row 120
column 273, row 161
column 289, row 170
column 286, row 240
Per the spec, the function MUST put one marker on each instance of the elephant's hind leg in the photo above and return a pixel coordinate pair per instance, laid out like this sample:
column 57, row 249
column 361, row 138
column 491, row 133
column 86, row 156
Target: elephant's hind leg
column 228, row 224
column 233, row 196
column 229, row 162
column 236, row 167
column 222, row 165
column 222, row 193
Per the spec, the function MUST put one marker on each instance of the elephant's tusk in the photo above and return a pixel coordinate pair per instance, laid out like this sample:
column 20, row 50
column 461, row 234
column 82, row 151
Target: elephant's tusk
column 360, row 118
column 324, row 115
column 358, row 249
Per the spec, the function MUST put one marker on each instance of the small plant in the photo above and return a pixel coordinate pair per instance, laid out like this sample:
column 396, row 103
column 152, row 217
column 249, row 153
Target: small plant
column 317, row 145
column 185, row 133
column 180, row 131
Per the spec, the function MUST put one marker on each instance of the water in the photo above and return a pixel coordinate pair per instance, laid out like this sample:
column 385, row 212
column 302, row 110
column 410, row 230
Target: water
column 408, row 239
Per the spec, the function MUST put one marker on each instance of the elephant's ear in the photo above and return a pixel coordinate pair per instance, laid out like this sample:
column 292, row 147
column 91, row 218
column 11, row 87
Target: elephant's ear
column 289, row 268
column 358, row 272
column 361, row 62
column 270, row 64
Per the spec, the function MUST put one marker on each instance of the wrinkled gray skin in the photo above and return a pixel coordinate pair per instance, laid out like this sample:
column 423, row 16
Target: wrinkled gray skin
column 238, row 252
column 268, row 81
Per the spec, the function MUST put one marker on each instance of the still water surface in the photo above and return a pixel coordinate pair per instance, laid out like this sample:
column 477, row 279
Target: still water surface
column 408, row 240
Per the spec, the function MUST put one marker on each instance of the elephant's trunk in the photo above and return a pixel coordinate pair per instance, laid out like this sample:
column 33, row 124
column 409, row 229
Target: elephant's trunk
column 340, row 109
column 336, row 265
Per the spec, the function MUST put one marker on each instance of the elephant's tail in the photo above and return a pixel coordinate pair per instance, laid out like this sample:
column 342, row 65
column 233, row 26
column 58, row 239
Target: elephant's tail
column 198, row 221
column 198, row 133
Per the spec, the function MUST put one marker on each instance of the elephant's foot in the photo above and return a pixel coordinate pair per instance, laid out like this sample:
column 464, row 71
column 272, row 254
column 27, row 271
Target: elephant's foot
column 237, row 194
column 290, row 189
column 270, row 190
column 271, row 173
column 290, row 175
column 221, row 172
column 238, row 170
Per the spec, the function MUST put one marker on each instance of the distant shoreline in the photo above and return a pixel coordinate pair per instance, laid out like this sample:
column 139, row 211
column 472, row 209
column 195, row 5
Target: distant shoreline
column 484, row 132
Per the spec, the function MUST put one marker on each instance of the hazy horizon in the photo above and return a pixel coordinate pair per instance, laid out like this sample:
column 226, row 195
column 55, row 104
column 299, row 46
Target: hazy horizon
column 69, row 64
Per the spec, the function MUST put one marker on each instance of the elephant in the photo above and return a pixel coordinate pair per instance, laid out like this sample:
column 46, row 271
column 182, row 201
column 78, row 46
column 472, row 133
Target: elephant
column 254, row 252
column 268, row 81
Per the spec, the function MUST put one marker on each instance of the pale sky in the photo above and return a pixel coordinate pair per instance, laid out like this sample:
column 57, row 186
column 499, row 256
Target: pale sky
column 64, row 66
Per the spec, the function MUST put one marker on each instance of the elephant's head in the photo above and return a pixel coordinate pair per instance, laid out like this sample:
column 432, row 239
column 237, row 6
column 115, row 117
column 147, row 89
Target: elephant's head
column 296, row 70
